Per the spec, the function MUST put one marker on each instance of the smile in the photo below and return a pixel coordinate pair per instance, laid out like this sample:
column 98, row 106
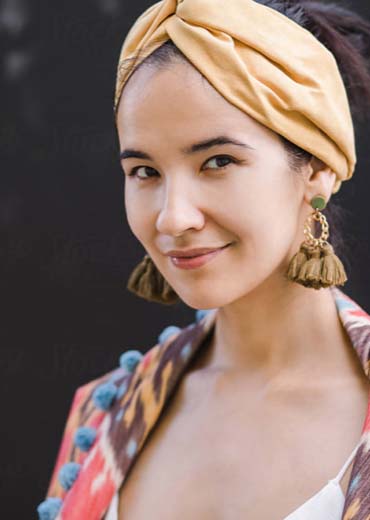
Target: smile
column 193, row 262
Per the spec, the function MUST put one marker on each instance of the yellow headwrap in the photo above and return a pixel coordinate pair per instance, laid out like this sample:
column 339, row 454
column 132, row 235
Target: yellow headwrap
column 260, row 61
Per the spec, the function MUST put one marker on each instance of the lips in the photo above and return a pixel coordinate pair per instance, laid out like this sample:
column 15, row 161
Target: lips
column 201, row 254
column 191, row 253
column 198, row 260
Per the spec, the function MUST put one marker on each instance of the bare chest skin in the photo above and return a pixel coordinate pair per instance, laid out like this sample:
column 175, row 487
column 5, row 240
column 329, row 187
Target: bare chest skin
column 223, row 451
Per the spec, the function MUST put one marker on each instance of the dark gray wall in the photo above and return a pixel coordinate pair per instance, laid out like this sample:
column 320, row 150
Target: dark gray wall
column 66, row 250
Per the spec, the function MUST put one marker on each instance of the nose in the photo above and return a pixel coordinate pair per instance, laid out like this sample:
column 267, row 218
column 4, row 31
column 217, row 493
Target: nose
column 179, row 211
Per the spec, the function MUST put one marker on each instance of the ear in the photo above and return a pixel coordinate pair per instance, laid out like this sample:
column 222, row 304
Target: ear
column 319, row 180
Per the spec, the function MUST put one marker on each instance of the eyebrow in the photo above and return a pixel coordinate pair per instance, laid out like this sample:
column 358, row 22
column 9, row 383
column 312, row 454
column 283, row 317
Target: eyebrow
column 189, row 150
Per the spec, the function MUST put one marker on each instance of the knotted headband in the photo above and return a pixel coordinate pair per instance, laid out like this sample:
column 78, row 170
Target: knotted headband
column 260, row 61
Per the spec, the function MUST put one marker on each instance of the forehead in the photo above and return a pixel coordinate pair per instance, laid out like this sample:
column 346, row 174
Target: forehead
column 178, row 99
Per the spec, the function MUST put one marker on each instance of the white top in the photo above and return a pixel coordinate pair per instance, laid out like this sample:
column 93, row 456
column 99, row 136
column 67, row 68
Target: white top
column 326, row 504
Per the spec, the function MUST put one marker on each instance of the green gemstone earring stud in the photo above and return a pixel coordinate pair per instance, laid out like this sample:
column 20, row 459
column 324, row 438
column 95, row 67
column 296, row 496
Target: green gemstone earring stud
column 318, row 202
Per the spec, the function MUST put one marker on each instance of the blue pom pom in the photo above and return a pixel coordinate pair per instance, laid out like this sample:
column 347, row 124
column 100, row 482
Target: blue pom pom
column 68, row 474
column 49, row 508
column 199, row 315
column 167, row 332
column 84, row 437
column 104, row 395
column 129, row 359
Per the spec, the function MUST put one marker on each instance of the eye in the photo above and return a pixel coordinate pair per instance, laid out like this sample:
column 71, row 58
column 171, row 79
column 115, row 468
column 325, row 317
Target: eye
column 221, row 159
column 134, row 172
column 217, row 158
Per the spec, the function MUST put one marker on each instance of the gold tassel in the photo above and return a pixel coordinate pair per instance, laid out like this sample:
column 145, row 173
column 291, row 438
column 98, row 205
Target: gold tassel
column 332, row 269
column 148, row 283
column 310, row 271
column 321, row 268
column 296, row 263
column 305, row 266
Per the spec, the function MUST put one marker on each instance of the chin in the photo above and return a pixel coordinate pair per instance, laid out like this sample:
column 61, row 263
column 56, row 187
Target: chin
column 207, row 299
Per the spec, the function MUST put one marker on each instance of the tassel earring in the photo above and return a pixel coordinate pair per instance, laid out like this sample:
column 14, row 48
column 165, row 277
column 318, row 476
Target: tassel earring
column 316, row 265
column 148, row 283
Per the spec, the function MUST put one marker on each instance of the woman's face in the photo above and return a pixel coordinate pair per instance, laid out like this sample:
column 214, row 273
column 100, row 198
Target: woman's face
column 180, row 194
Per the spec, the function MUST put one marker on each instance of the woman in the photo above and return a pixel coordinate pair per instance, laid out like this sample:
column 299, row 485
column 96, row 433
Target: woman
column 235, row 129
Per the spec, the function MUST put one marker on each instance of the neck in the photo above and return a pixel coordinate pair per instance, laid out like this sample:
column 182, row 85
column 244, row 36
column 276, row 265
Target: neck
column 281, row 331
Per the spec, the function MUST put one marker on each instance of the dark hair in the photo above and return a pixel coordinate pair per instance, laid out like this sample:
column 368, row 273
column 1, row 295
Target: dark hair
column 347, row 35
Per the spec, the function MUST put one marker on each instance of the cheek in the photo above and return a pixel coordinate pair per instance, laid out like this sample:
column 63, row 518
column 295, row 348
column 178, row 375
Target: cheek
column 139, row 214
column 261, row 213
column 245, row 207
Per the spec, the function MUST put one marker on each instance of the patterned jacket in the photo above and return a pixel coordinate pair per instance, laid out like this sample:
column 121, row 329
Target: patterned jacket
column 111, row 417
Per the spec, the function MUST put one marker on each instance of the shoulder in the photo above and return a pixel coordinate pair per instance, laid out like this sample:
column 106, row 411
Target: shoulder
column 134, row 385
column 90, row 403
